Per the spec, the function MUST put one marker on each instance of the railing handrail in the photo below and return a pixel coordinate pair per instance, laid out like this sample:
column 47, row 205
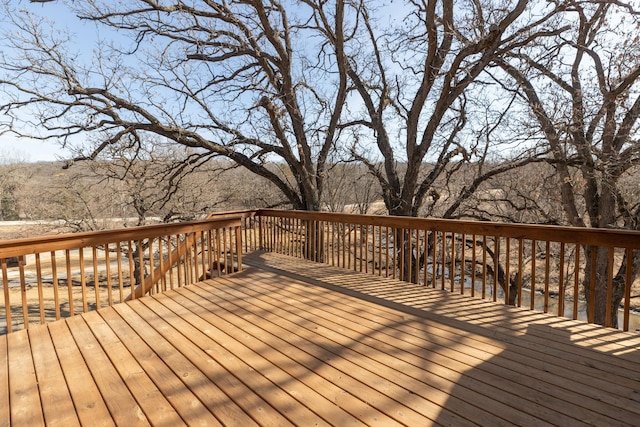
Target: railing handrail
column 32, row 245
column 63, row 275
column 241, row 213
column 585, row 236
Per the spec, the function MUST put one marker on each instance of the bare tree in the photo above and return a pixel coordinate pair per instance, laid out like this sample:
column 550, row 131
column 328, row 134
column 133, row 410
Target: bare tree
column 12, row 177
column 157, row 180
column 350, row 188
column 422, row 114
column 581, row 87
column 250, row 81
column 417, row 85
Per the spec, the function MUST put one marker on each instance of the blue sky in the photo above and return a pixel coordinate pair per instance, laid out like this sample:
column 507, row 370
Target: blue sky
column 12, row 148
column 85, row 34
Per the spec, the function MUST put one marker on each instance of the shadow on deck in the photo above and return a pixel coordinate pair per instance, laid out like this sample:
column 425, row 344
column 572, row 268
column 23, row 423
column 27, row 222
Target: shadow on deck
column 290, row 342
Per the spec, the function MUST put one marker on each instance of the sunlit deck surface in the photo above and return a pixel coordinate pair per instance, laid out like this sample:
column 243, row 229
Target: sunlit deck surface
column 287, row 341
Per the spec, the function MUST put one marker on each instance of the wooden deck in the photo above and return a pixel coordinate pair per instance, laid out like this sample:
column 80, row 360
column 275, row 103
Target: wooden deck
column 290, row 342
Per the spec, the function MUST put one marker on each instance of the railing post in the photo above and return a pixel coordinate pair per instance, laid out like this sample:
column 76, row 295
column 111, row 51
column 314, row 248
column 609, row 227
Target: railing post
column 239, row 247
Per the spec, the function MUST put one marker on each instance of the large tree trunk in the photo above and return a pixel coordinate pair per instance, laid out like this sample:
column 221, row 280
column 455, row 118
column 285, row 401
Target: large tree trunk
column 598, row 290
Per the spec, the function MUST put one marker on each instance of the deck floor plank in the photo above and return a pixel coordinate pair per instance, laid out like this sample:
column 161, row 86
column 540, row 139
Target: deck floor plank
column 5, row 406
column 512, row 376
column 501, row 321
column 87, row 400
column 421, row 355
column 122, row 405
column 348, row 357
column 295, row 356
column 23, row 385
column 189, row 364
column 185, row 402
column 275, row 382
column 152, row 401
column 472, row 310
column 580, row 380
column 292, row 342
column 231, row 374
column 54, row 395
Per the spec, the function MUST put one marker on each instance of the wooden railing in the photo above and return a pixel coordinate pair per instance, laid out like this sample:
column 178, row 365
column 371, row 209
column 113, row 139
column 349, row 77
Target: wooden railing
column 577, row 273
column 548, row 268
column 49, row 278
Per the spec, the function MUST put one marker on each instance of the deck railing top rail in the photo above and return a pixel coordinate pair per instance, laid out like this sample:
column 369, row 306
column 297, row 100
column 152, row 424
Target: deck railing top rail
column 32, row 245
column 584, row 236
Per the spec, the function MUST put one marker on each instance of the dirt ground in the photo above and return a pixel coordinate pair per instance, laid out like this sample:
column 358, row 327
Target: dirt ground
column 23, row 229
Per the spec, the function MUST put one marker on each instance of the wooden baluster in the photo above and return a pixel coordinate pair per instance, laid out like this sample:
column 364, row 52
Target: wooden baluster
column 609, row 310
column 496, row 263
column 359, row 246
column 171, row 250
column 576, row 284
column 131, row 269
column 452, row 267
column 343, row 245
column 54, row 280
column 161, row 267
column 379, row 246
column 592, row 285
column 232, row 252
column 225, row 249
column 561, row 282
column 349, row 246
column 107, row 262
column 239, row 248
column 83, row 280
column 290, row 236
column 96, row 275
column 325, row 242
column 425, row 257
column 462, row 262
column 7, row 301
column 547, row 257
column 23, row 293
column 210, row 249
column 402, row 254
column 434, row 260
column 67, row 254
column 484, row 267
column 197, row 237
column 444, row 260
column 154, row 286
column 333, row 244
column 473, row 264
column 520, row 271
column 119, row 263
column 386, row 250
column 40, row 288
column 418, row 258
column 627, row 288
column 534, row 254
column 507, row 270
column 408, row 253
